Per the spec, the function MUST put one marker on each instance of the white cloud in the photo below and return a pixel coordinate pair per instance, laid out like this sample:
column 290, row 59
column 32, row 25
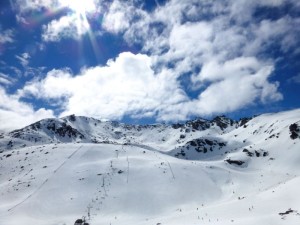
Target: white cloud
column 295, row 79
column 16, row 114
column 236, row 68
column 224, row 42
column 24, row 59
column 129, row 86
column 126, row 85
column 234, row 91
column 218, row 47
column 53, row 86
column 180, row 26
column 22, row 20
column 5, row 79
column 6, row 36
column 283, row 32
column 72, row 25
column 117, row 18
column 66, row 27
column 24, row 6
column 183, row 37
column 242, row 10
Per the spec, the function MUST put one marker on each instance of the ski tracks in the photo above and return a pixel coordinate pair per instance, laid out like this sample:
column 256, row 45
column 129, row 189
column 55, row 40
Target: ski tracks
column 43, row 184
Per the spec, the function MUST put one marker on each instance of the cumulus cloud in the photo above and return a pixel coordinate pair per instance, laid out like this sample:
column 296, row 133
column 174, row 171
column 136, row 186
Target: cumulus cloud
column 16, row 114
column 238, row 90
column 126, row 85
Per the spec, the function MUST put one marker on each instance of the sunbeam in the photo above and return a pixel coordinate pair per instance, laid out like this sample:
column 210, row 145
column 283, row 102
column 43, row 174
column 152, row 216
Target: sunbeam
column 79, row 7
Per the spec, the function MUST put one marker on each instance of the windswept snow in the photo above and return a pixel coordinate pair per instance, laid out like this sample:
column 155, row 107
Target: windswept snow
column 201, row 172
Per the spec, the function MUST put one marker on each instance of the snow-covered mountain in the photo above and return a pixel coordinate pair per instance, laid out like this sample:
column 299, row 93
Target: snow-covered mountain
column 200, row 172
column 89, row 130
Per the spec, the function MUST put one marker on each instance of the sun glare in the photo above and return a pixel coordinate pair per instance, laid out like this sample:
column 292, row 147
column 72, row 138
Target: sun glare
column 79, row 6
column 81, row 9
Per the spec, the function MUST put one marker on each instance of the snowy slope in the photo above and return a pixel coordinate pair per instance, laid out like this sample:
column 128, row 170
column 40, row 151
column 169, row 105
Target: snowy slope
column 201, row 172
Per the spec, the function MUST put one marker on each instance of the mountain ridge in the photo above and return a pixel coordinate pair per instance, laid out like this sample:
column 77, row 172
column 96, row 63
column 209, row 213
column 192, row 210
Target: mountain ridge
column 193, row 139
column 79, row 128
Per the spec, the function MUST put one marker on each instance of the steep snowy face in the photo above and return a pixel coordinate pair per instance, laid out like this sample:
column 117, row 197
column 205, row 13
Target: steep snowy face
column 42, row 132
column 57, row 129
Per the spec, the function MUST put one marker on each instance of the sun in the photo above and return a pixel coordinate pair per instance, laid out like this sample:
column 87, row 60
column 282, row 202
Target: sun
column 79, row 6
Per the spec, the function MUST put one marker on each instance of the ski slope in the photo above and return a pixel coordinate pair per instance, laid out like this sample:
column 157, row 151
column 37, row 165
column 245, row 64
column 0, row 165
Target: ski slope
column 158, row 174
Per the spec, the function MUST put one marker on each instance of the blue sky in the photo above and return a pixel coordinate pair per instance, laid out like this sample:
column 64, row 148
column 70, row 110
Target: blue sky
column 147, row 61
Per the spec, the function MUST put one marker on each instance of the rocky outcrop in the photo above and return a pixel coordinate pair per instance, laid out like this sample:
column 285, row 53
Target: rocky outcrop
column 200, row 145
column 294, row 131
column 236, row 162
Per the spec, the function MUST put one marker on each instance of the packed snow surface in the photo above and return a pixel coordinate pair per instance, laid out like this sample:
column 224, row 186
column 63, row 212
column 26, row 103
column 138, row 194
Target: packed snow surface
column 201, row 172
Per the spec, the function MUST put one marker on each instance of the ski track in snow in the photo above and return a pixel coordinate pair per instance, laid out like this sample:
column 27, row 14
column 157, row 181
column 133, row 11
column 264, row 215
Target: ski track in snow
column 41, row 186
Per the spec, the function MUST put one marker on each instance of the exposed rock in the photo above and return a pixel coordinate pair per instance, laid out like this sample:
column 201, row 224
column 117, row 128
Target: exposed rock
column 198, row 124
column 257, row 153
column 67, row 130
column 294, row 130
column 72, row 118
column 201, row 145
column 286, row 212
column 182, row 136
column 248, row 152
column 223, row 122
column 237, row 162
